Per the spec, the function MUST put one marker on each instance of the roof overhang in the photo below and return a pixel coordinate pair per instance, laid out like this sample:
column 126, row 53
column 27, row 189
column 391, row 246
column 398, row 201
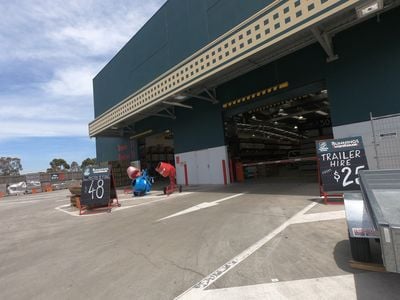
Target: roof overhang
column 281, row 28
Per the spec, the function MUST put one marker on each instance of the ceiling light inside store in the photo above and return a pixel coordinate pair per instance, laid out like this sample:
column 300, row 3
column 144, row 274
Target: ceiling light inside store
column 180, row 97
column 141, row 134
column 276, row 123
column 253, row 117
column 322, row 113
column 301, row 118
column 282, row 113
column 295, row 127
column 369, row 8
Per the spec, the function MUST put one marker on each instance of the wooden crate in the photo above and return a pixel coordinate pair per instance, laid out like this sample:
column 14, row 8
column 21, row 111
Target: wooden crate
column 74, row 199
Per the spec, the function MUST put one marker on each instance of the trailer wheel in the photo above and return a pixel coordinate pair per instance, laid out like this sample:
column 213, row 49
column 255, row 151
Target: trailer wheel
column 180, row 189
column 360, row 249
column 165, row 190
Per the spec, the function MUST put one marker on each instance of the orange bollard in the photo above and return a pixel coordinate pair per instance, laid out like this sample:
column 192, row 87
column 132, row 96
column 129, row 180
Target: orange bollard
column 239, row 172
column 34, row 191
column 1, row 194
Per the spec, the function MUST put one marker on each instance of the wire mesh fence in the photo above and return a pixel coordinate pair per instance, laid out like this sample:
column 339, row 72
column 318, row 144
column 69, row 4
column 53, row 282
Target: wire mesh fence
column 386, row 139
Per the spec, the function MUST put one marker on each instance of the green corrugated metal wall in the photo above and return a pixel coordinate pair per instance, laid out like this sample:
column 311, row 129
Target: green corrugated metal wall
column 107, row 148
column 199, row 128
column 177, row 30
column 366, row 78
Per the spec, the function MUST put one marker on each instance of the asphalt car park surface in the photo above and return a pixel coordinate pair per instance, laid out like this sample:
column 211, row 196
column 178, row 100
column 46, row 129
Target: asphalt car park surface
column 266, row 239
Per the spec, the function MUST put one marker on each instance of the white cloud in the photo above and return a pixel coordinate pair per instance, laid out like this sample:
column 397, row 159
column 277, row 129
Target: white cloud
column 97, row 40
column 38, row 128
column 30, row 104
column 50, row 51
column 72, row 81
column 25, row 116
column 52, row 29
column 100, row 36
column 46, row 111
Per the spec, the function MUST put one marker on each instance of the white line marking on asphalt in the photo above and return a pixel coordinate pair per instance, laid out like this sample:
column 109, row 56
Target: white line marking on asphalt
column 131, row 198
column 334, row 287
column 75, row 213
column 191, row 209
column 128, row 197
column 229, row 197
column 63, row 207
column 20, row 202
column 201, row 206
column 325, row 216
column 214, row 276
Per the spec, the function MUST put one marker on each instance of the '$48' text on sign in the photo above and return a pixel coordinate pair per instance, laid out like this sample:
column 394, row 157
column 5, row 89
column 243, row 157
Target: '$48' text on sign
column 96, row 191
column 96, row 186
column 340, row 162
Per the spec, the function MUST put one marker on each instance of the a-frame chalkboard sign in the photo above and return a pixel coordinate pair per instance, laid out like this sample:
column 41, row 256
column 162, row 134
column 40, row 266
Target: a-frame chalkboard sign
column 339, row 164
column 98, row 189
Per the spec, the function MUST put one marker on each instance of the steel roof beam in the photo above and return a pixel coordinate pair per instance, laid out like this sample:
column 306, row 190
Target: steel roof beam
column 211, row 97
column 325, row 41
column 163, row 116
column 272, row 128
column 168, row 115
column 178, row 104
column 285, row 137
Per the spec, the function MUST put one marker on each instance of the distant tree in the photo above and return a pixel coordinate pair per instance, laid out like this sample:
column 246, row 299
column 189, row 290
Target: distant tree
column 10, row 166
column 88, row 162
column 57, row 165
column 74, row 167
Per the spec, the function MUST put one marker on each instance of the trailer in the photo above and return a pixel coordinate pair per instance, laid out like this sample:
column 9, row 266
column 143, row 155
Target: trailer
column 374, row 213
column 18, row 188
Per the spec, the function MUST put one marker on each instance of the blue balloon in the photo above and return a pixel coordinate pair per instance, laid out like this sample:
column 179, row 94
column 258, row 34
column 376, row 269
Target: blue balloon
column 142, row 184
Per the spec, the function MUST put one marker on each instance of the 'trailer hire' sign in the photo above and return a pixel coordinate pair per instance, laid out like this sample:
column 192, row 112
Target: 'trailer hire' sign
column 340, row 161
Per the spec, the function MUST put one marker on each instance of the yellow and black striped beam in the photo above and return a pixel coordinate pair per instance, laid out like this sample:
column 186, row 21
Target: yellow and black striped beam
column 256, row 95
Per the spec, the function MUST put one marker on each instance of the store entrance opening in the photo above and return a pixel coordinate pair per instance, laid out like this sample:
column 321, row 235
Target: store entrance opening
column 154, row 149
column 278, row 138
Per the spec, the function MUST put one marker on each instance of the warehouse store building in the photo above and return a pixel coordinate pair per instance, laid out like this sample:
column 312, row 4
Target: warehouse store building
column 208, row 85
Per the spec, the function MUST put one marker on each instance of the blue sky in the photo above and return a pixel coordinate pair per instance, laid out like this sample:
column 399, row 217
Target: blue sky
column 49, row 52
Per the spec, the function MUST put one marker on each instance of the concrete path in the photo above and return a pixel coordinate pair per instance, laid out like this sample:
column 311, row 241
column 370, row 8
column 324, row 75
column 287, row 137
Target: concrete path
column 260, row 240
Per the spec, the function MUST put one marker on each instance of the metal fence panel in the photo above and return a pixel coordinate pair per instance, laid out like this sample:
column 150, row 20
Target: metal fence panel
column 386, row 132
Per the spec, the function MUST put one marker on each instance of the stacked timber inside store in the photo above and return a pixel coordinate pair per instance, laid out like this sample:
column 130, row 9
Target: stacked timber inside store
column 119, row 172
column 152, row 155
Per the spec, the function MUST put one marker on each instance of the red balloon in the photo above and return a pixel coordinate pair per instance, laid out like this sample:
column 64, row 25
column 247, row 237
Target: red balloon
column 133, row 172
column 166, row 169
